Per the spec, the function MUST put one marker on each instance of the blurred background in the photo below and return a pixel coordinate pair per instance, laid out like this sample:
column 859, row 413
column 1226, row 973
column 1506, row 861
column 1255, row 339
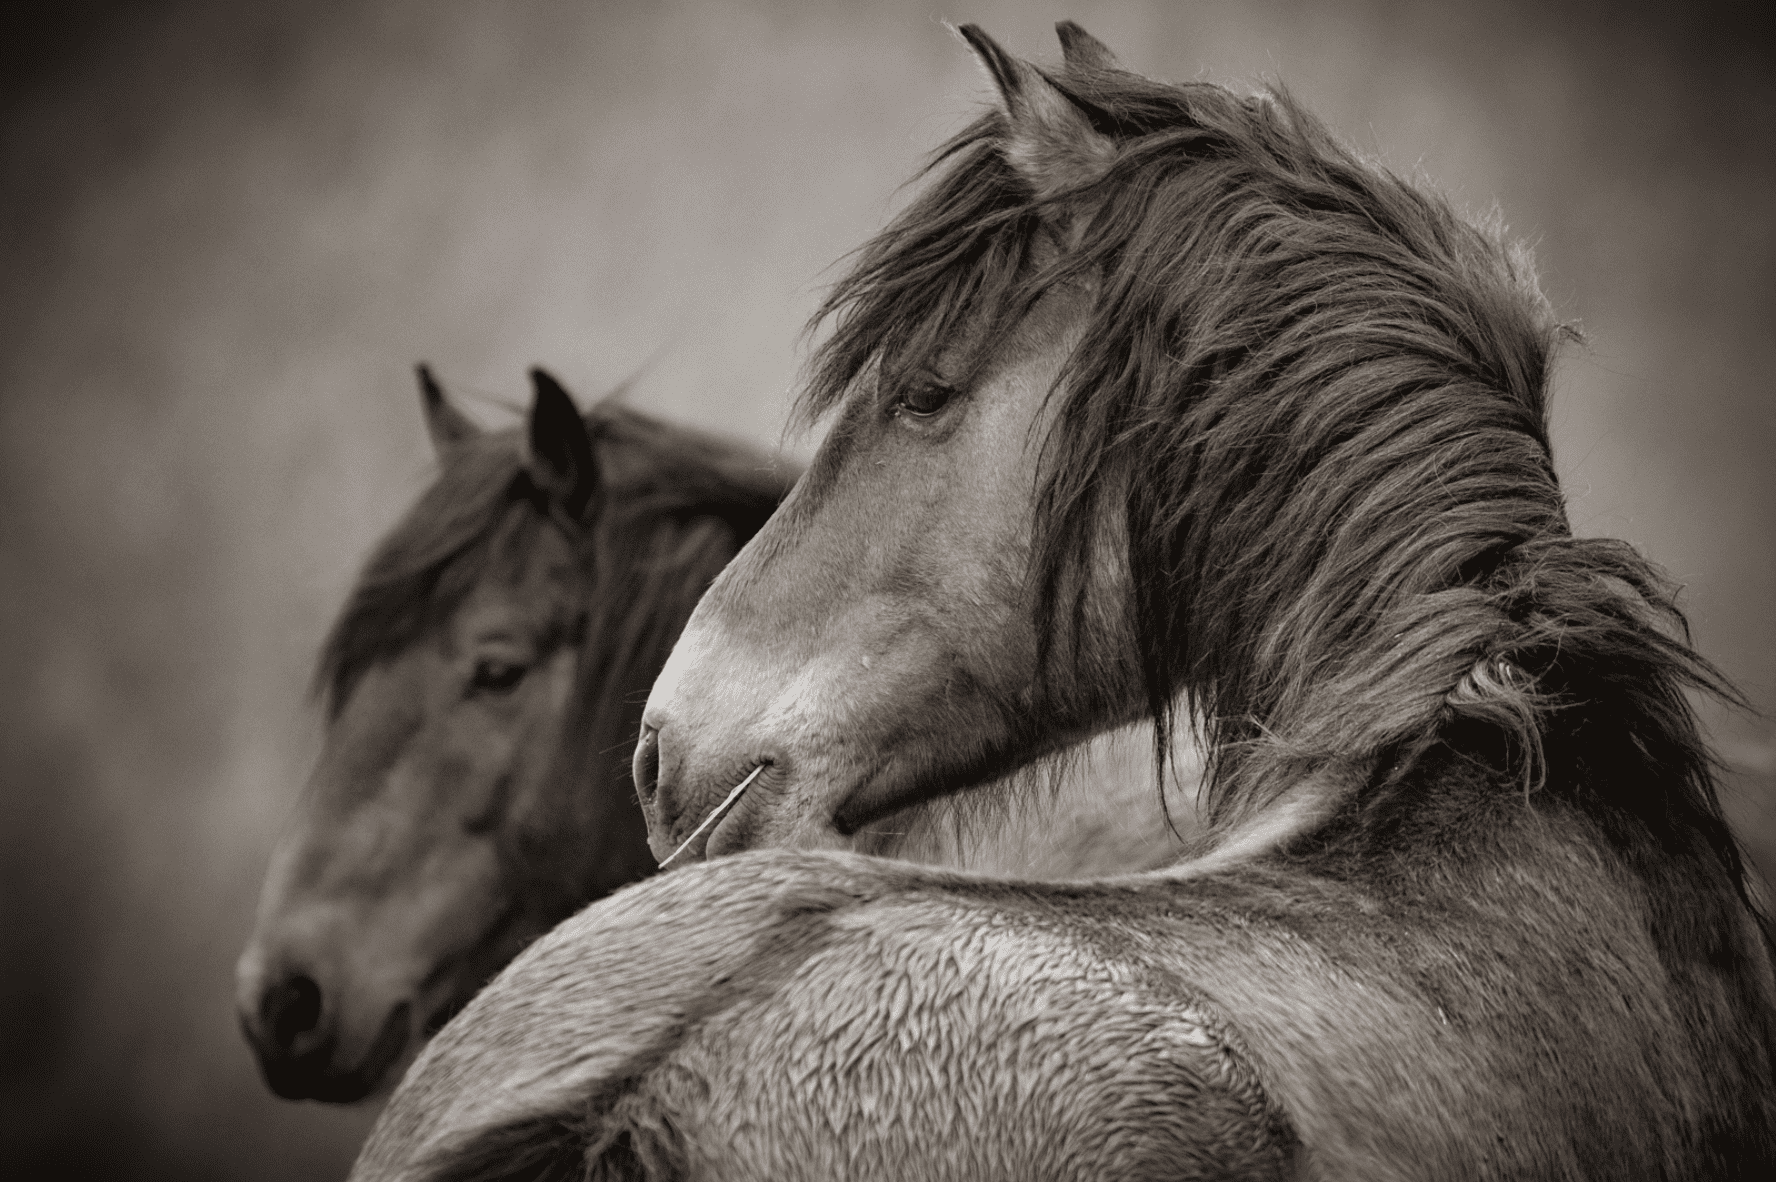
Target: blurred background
column 228, row 231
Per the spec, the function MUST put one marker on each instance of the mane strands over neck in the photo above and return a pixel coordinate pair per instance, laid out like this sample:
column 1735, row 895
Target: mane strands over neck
column 1317, row 398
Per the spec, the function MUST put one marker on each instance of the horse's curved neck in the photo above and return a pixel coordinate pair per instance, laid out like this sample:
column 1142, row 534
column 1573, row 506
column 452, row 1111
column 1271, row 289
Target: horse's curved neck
column 1101, row 794
column 1361, row 647
column 1319, row 582
column 641, row 576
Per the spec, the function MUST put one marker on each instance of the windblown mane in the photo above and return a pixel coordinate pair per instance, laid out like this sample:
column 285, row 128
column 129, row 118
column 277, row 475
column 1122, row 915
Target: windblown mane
column 1322, row 396
column 482, row 511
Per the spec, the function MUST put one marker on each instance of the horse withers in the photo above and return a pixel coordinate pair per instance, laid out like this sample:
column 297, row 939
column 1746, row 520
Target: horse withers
column 481, row 687
column 1159, row 401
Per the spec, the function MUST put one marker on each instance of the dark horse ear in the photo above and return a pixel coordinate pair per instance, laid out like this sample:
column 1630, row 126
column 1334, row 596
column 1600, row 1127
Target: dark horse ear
column 1080, row 50
column 1049, row 140
column 448, row 426
column 561, row 459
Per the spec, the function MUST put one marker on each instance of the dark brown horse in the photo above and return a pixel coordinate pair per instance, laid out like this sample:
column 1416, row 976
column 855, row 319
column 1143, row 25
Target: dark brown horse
column 482, row 687
column 1159, row 402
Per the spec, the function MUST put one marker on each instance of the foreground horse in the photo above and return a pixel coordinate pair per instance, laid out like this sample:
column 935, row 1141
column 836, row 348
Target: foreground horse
column 475, row 784
column 482, row 686
column 1159, row 400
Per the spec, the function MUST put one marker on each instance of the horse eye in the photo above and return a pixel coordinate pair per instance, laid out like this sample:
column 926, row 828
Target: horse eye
column 924, row 399
column 497, row 677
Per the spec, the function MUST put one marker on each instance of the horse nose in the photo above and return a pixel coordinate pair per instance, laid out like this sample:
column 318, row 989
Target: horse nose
column 658, row 774
column 645, row 768
column 287, row 1025
column 290, row 1016
column 296, row 1036
column 660, row 805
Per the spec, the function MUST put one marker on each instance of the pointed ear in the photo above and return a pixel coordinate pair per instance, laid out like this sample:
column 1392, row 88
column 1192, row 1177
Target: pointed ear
column 1080, row 50
column 448, row 426
column 1048, row 139
column 561, row 459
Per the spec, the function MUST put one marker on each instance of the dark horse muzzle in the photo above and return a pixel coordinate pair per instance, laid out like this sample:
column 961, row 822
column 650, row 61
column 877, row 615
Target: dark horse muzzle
column 294, row 1035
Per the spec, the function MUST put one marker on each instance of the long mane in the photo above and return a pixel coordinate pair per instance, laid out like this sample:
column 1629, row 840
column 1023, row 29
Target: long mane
column 1320, row 397
column 482, row 513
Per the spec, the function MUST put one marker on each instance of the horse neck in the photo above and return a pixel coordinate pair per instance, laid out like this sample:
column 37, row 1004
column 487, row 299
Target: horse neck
column 1093, row 810
column 663, row 470
column 679, row 505
column 1362, row 586
column 585, row 835
column 1337, row 616
column 648, row 578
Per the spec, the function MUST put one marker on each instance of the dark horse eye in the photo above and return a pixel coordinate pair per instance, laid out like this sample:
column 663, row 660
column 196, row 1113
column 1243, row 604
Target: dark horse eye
column 496, row 677
column 924, row 399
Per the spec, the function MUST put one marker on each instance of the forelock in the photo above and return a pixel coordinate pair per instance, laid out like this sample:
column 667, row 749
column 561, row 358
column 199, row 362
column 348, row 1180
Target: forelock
column 426, row 566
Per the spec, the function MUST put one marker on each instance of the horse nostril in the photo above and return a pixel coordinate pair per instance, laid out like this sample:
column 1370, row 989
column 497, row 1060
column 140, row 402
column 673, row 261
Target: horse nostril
column 291, row 1010
column 646, row 768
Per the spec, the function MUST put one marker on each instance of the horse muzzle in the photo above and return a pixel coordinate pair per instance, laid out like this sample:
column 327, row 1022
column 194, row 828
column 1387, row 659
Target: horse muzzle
column 305, row 1050
column 734, row 799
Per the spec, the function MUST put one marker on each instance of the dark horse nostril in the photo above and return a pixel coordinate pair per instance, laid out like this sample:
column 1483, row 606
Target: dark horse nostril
column 291, row 1010
column 646, row 768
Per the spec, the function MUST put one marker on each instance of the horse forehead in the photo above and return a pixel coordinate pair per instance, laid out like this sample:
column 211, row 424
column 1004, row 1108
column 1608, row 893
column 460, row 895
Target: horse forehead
column 384, row 709
column 1025, row 362
column 532, row 580
column 1039, row 346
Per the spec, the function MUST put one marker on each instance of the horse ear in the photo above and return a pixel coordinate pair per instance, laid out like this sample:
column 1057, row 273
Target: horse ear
column 1048, row 138
column 561, row 459
column 1080, row 50
column 448, row 426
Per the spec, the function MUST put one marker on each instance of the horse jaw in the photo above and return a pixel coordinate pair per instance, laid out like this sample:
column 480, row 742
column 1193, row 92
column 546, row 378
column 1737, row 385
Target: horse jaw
column 1102, row 794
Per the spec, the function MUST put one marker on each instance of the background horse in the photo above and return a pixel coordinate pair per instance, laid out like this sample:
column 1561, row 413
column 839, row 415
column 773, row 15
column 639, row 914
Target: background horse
column 481, row 686
column 1160, row 400
column 475, row 785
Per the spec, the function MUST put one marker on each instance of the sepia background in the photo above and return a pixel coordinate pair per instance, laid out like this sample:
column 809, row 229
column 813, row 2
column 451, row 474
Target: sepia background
column 227, row 232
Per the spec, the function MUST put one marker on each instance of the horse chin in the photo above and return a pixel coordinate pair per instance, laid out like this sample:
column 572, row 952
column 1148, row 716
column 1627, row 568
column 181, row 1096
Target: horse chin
column 884, row 811
column 762, row 818
column 313, row 1076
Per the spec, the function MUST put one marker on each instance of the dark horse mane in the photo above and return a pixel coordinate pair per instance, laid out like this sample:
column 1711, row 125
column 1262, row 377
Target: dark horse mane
column 1324, row 397
column 482, row 511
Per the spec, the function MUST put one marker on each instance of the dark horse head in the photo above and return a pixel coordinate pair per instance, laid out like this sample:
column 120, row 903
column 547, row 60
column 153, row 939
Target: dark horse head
column 482, row 685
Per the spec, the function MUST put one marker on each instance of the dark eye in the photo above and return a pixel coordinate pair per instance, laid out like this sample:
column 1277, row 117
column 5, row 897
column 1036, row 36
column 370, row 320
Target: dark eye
column 925, row 398
column 497, row 677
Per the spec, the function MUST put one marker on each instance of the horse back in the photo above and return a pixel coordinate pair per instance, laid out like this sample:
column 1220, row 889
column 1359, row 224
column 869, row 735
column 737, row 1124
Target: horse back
column 1488, row 982
column 1503, row 1009
column 905, row 1015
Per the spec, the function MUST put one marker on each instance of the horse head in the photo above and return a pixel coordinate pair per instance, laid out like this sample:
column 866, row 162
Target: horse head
column 459, row 806
column 882, row 641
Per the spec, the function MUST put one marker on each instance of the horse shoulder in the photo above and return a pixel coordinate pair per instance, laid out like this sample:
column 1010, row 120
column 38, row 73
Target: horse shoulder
column 603, row 999
column 1494, row 1012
